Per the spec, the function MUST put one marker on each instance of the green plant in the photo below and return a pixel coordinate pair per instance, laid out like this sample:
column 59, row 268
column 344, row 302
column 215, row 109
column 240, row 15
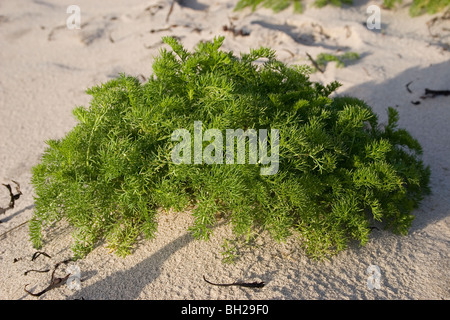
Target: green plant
column 279, row 5
column 338, row 3
column 390, row 3
column 338, row 168
column 341, row 60
column 417, row 7
column 229, row 252
column 275, row 5
column 429, row 6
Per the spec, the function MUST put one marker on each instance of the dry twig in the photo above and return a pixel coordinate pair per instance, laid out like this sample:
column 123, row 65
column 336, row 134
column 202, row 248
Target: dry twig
column 314, row 62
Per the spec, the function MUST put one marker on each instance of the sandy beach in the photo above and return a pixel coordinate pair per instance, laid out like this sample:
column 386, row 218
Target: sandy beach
column 45, row 68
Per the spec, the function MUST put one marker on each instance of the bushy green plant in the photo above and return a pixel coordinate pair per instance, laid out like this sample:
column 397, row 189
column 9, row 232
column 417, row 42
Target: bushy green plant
column 279, row 5
column 275, row 5
column 417, row 7
column 338, row 167
column 323, row 58
column 429, row 6
column 338, row 3
column 390, row 3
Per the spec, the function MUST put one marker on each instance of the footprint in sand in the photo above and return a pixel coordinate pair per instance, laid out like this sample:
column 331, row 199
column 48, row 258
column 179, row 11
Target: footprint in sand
column 3, row 19
column 88, row 33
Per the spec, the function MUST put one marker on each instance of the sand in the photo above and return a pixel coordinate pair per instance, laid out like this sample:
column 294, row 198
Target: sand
column 46, row 67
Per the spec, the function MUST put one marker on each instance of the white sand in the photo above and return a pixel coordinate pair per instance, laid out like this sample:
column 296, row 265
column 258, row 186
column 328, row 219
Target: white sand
column 45, row 68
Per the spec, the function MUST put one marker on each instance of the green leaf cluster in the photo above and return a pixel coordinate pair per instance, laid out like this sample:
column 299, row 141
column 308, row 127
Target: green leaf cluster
column 418, row 7
column 337, row 3
column 338, row 168
column 341, row 60
column 275, row 5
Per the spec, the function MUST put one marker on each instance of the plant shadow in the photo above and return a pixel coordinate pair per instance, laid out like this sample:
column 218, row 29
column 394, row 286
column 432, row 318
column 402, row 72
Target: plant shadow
column 427, row 119
column 136, row 277
column 192, row 4
column 9, row 217
column 309, row 38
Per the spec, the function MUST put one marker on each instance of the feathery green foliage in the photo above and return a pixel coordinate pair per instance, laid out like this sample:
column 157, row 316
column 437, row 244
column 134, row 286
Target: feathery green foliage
column 418, row 7
column 338, row 168
column 341, row 60
column 337, row 3
column 279, row 5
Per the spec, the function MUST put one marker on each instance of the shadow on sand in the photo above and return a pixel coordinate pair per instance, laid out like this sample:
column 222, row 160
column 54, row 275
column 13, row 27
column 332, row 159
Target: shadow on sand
column 428, row 122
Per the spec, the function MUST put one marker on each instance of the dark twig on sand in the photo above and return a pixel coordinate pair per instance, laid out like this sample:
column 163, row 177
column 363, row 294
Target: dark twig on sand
column 407, row 87
column 434, row 93
column 55, row 282
column 34, row 270
column 170, row 10
column 314, row 62
column 13, row 197
column 431, row 94
column 38, row 253
column 240, row 284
